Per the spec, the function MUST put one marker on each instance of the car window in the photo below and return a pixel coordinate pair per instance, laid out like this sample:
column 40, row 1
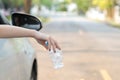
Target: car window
column 1, row 4
column 3, row 19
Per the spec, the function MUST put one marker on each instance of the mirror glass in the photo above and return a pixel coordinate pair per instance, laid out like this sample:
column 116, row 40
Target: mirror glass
column 26, row 21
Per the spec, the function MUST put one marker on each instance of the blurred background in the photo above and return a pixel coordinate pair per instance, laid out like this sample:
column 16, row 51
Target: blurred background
column 95, row 9
column 87, row 30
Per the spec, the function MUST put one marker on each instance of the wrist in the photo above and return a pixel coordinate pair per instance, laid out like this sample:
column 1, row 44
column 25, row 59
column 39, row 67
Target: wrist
column 33, row 33
column 39, row 35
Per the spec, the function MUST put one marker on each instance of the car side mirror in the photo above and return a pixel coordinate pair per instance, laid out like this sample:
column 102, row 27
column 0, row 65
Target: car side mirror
column 26, row 21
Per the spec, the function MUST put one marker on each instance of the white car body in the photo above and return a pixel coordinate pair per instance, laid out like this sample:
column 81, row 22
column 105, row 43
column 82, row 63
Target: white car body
column 16, row 59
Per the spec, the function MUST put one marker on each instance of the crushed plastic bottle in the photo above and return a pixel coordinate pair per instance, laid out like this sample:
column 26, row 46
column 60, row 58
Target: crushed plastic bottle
column 57, row 58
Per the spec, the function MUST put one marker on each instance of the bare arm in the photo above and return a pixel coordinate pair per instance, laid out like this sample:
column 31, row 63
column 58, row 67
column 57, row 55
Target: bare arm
column 7, row 31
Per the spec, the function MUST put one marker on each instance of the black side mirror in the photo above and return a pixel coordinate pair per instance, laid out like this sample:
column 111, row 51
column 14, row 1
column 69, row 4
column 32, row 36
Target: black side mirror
column 26, row 21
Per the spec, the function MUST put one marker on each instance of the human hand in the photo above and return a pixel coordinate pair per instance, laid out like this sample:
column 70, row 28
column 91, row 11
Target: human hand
column 42, row 38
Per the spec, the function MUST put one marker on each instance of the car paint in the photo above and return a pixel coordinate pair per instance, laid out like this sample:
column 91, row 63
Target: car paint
column 16, row 59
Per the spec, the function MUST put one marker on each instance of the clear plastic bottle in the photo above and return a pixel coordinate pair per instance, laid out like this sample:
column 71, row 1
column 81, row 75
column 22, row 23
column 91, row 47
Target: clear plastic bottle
column 57, row 58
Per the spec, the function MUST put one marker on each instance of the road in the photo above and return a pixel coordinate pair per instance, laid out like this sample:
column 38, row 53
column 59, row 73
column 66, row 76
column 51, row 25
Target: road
column 91, row 50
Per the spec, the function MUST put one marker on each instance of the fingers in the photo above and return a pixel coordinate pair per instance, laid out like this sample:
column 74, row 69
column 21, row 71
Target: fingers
column 53, row 44
column 49, row 44
column 57, row 46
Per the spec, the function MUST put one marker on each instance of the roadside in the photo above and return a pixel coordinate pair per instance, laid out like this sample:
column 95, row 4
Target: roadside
column 113, row 23
column 91, row 50
column 108, row 22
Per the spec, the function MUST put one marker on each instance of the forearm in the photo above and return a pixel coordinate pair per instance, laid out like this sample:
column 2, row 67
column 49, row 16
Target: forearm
column 7, row 31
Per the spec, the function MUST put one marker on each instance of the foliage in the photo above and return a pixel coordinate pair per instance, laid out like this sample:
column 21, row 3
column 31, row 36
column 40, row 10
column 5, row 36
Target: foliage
column 36, row 2
column 68, row 1
column 62, row 6
column 12, row 3
column 47, row 3
column 103, row 4
column 83, row 5
column 107, row 5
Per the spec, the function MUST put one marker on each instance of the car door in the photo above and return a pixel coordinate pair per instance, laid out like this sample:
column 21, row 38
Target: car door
column 25, row 57
column 9, row 65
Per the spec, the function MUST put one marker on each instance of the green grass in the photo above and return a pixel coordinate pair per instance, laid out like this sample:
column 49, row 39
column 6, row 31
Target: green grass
column 110, row 22
column 114, row 24
column 44, row 19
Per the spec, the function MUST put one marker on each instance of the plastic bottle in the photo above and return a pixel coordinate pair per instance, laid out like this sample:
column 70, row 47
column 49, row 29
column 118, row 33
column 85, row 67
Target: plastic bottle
column 56, row 58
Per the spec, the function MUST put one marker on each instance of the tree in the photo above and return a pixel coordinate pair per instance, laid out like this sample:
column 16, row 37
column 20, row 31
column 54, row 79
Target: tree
column 12, row 3
column 27, row 5
column 83, row 5
column 62, row 6
column 47, row 3
column 68, row 1
column 107, row 5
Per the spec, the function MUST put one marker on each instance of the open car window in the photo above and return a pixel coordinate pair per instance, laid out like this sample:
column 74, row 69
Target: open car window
column 3, row 19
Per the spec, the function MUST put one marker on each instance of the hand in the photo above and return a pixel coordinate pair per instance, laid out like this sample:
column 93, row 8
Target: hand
column 42, row 38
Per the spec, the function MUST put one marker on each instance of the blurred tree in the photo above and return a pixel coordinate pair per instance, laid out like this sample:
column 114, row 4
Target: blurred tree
column 83, row 5
column 27, row 5
column 47, row 3
column 62, row 6
column 12, row 3
column 36, row 2
column 107, row 5
column 68, row 1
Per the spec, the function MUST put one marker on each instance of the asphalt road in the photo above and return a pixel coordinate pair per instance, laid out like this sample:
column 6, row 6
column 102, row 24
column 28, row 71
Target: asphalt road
column 91, row 50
